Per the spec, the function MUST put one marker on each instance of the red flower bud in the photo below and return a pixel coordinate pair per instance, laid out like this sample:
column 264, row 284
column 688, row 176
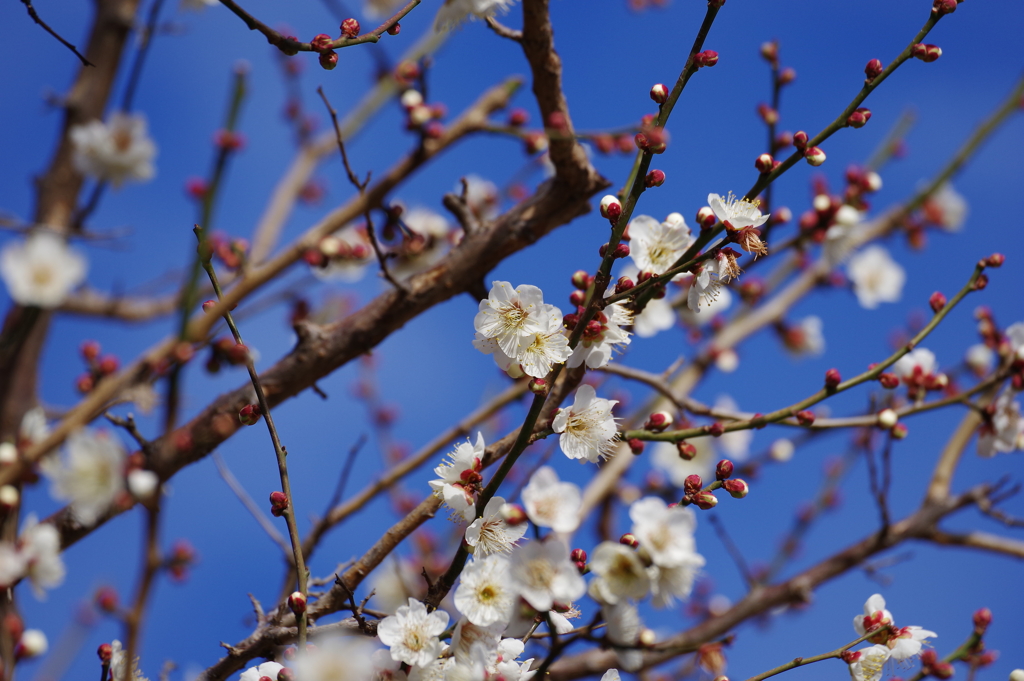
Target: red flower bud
column 706, row 217
column 942, row 7
column 686, row 450
column 692, row 484
column 764, row 163
column 873, row 69
column 995, row 260
column 395, row 30
column 736, row 488
column 658, row 421
column 889, row 381
column 611, row 208
column 518, row 117
column 655, row 178
column 329, row 60
column 982, row 618
column 724, row 469
column 90, row 350
column 659, row 93
column 805, row 417
column 349, row 28
column 832, row 379
column 578, row 556
column 297, row 602
column 539, row 386
column 249, row 414
column 814, row 156
column 937, row 301
column 800, row 139
column 705, row 501
column 629, row 540
column 623, row 284
column 105, row 652
column 636, row 446
column 705, row 58
column 279, row 503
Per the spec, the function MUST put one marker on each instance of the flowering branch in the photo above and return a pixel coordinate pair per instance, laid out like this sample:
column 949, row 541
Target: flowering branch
column 801, row 661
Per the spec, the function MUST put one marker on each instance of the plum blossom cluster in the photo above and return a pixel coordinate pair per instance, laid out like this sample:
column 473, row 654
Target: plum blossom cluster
column 116, row 151
column 889, row 641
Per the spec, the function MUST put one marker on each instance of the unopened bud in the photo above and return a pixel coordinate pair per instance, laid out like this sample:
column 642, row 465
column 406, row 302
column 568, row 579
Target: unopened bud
column 629, row 540
column 658, row 421
column 705, row 58
column 770, row 51
column 349, row 28
column 899, row 431
column 787, row 76
column 858, row 119
column 90, row 350
column 209, row 305
column 937, row 301
column 249, row 414
column 279, row 503
column 581, row 280
column 926, row 53
column 578, row 556
column 724, row 469
column 800, row 139
column 982, row 618
column 285, row 673
column 764, row 163
column 512, row 514
column 33, row 643
column 623, row 284
column 686, row 450
column 659, row 93
column 706, row 217
column 887, row 418
column 655, row 178
column 805, row 417
column 889, row 381
column 321, row 42
column 995, row 260
column 636, row 446
column 692, row 484
column 539, row 386
column 716, row 429
column 105, row 652
column 942, row 7
column 736, row 488
column 705, row 501
column 297, row 602
column 611, row 208
column 873, row 69
column 329, row 60
column 832, row 379
column 814, row 155
column 395, row 29
column 106, row 599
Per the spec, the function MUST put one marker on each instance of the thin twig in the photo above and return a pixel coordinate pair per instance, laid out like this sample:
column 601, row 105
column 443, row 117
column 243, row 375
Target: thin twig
column 801, row 661
column 503, row 30
column 345, row 471
column 35, row 17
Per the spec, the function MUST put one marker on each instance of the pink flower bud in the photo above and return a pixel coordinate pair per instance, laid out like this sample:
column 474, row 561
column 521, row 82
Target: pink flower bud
column 787, row 76
column 899, row 431
column 570, row 320
column 578, row 556
column 581, row 280
column 297, row 602
column 659, row 93
column 321, row 42
column 90, row 350
column 832, row 379
column 329, row 60
column 518, row 117
column 814, row 155
column 287, row 674
column 349, row 28
column 395, row 29
column 539, row 386
column 764, row 163
column 692, row 484
column 658, row 421
column 636, row 446
column 705, row 501
column 629, row 540
column 805, row 417
column 942, row 7
column 623, row 284
column 655, row 178
column 982, row 618
column 611, row 208
column 706, row 217
column 105, row 652
column 736, row 488
column 686, row 450
column 800, row 139
column 926, row 53
column 770, row 51
column 887, row 418
column 705, row 58
column 889, row 381
column 716, row 429
column 724, row 469
column 858, row 119
column 995, row 260
column 937, row 301
column 621, row 251
column 279, row 503
column 209, row 305
column 767, row 114
column 873, row 69
column 512, row 514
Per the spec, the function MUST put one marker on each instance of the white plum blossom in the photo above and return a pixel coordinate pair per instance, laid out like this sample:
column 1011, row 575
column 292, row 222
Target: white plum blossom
column 666, row 534
column 655, row 246
column 619, row 573
column 900, row 643
column 543, row 574
column 536, row 354
column 670, row 583
column 42, row 270
column 875, row 615
column 490, row 533
column 395, row 583
column 39, row 545
column 482, row 195
column 425, row 245
column 33, row 427
column 454, row 12
column 1005, row 432
column 459, row 477
column 339, row 658
column 412, row 633
column 596, row 350
column 121, row 669
column 348, row 252
column 980, row 358
column 12, row 564
column 735, row 444
column 587, row 428
column 90, row 476
column 611, row 675
column 115, row 151
column 947, row 208
column 908, row 641
column 876, row 277
column 658, row 315
column 1015, row 334
column 387, row 669
column 507, row 666
column 268, row 669
column 624, row 629
column 552, row 503
column 511, row 315
column 736, row 213
column 708, row 311
column 485, row 595
column 918, row 364
column 869, row 663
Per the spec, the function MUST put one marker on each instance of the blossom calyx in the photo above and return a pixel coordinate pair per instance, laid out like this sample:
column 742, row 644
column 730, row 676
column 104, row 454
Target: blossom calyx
column 889, row 381
column 623, row 284
column 937, row 301
column 395, row 29
column 659, row 93
column 859, row 118
column 736, row 488
column 249, row 414
column 538, row 386
column 636, row 446
column 814, row 156
column 321, row 42
column 611, row 208
column 982, row 618
column 692, row 485
column 297, row 602
column 724, row 469
column 279, row 503
column 800, row 139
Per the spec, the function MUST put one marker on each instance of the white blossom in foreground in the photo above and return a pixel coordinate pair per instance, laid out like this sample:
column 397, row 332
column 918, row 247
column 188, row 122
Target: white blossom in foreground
column 39, row 544
column 511, row 315
column 876, row 277
column 535, row 354
column 12, row 564
column 596, row 348
column 619, row 573
column 90, row 476
column 507, row 666
column 42, row 270
column 115, row 151
column 490, row 533
column 459, row 477
column 611, row 675
column 736, row 213
column 670, row 583
column 657, row 316
column 869, row 663
column 552, row 503
column 624, row 629
column 412, row 633
column 587, row 428
column 543, row 574
column 485, row 594
column 947, row 208
column 655, row 246
column 268, row 669
column 454, row 12
column 665, row 533
column 718, row 306
column 900, row 643
column 121, row 669
column 1005, row 432
column 346, row 658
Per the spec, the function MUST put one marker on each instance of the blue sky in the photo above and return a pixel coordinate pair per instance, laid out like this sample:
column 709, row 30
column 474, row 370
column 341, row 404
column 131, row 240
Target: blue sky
column 611, row 56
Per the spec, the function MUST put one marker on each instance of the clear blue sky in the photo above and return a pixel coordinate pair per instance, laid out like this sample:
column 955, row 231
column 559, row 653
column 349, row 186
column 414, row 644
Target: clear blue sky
column 612, row 56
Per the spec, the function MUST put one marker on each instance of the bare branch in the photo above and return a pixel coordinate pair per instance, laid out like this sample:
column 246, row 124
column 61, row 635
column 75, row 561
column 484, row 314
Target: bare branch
column 35, row 17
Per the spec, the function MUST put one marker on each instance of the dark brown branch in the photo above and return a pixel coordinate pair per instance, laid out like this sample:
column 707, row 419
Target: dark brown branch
column 35, row 17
